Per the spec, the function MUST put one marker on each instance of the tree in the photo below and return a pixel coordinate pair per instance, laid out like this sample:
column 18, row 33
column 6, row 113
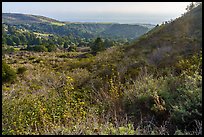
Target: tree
column 108, row 43
column 10, row 41
column 38, row 41
column 190, row 7
column 16, row 40
column 66, row 45
column 98, row 45
column 60, row 40
column 23, row 39
column 51, row 48
column 11, row 30
column 50, row 41
column 197, row 3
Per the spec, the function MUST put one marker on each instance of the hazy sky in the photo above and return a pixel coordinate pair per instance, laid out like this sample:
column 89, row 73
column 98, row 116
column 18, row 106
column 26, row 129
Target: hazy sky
column 121, row 12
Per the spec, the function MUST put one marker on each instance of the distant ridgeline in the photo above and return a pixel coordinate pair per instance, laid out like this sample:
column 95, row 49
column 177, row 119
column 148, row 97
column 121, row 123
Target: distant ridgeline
column 42, row 24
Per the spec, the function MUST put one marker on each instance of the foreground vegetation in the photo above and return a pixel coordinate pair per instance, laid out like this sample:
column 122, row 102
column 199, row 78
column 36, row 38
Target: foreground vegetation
column 56, row 94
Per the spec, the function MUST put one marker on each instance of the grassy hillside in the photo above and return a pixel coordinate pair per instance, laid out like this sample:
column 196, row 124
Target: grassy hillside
column 152, row 86
column 15, row 18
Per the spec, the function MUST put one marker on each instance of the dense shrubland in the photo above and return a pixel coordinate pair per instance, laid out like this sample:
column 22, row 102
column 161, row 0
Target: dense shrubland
column 90, row 96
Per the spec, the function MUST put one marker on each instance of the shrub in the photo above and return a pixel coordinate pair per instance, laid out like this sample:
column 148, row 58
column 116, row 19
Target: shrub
column 188, row 105
column 31, row 58
column 51, row 48
column 72, row 48
column 21, row 70
column 38, row 48
column 8, row 49
column 191, row 64
column 8, row 74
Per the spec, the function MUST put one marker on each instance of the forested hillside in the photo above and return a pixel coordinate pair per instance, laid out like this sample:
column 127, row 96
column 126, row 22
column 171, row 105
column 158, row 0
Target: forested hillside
column 149, row 86
column 38, row 33
column 84, row 30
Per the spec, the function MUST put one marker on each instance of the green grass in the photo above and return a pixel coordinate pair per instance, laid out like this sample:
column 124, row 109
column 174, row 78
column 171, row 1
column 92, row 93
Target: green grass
column 17, row 49
column 42, row 34
column 51, row 22
column 58, row 23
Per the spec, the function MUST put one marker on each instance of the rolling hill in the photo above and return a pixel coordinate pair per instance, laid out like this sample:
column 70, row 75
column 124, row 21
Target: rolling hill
column 47, row 25
column 17, row 18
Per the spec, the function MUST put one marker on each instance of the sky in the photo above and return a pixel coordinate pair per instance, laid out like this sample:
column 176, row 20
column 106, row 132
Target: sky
column 119, row 12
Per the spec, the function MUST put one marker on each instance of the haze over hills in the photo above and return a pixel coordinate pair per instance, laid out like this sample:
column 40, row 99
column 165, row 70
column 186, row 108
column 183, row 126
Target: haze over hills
column 48, row 25
column 121, row 12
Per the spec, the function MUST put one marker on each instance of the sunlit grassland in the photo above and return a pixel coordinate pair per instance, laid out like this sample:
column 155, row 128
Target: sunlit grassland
column 42, row 34
column 57, row 23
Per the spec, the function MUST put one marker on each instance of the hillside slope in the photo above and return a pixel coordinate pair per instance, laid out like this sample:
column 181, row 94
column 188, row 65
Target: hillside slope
column 16, row 18
column 165, row 43
column 124, row 30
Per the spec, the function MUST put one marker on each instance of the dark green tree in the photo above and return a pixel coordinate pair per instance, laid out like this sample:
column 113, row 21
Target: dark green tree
column 16, row 40
column 38, row 41
column 23, row 39
column 108, row 43
column 66, row 45
column 10, row 42
column 11, row 30
column 51, row 48
column 98, row 45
